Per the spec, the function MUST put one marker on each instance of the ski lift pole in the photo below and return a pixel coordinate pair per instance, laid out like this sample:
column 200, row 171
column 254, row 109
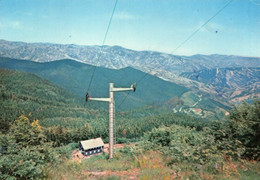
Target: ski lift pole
column 111, row 121
column 112, row 89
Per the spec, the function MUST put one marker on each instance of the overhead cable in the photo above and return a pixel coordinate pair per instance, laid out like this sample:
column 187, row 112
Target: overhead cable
column 182, row 43
column 104, row 40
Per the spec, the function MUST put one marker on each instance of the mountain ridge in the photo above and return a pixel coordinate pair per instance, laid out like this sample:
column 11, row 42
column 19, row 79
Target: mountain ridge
column 45, row 52
column 165, row 66
column 120, row 47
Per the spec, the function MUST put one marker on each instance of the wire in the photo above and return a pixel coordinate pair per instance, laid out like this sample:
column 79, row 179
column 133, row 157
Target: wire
column 102, row 47
column 192, row 34
column 181, row 44
column 123, row 100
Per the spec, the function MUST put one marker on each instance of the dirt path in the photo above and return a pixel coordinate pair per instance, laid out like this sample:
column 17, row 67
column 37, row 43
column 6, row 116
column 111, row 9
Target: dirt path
column 131, row 174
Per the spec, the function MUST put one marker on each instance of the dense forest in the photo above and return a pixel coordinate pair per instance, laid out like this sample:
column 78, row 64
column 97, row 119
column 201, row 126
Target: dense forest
column 42, row 123
column 25, row 93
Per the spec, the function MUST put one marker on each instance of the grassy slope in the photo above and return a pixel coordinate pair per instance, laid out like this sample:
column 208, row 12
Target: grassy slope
column 149, row 165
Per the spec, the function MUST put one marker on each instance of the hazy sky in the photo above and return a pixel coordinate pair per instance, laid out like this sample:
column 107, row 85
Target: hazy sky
column 159, row 25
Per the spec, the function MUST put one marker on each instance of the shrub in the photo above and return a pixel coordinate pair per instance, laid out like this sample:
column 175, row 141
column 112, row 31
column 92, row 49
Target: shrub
column 244, row 125
column 183, row 144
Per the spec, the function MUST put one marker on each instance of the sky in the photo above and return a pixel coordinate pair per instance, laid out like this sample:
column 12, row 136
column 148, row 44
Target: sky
column 156, row 25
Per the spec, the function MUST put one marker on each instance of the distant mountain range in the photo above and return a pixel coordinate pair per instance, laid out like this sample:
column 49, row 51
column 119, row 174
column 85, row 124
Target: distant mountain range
column 118, row 57
column 177, row 69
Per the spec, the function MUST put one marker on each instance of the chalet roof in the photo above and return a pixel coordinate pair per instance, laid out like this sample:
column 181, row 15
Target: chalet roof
column 92, row 143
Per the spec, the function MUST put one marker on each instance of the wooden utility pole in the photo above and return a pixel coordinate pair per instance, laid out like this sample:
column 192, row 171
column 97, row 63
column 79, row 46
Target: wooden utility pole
column 112, row 89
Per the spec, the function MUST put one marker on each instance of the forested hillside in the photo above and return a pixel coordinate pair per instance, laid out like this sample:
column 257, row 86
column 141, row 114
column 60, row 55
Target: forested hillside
column 75, row 77
column 25, row 93
column 28, row 94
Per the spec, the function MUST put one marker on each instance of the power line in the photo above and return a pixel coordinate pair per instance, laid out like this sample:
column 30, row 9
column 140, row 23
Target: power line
column 182, row 43
column 102, row 47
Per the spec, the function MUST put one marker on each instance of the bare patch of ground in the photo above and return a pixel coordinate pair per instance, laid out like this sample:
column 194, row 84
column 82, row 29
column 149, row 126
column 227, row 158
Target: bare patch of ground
column 238, row 99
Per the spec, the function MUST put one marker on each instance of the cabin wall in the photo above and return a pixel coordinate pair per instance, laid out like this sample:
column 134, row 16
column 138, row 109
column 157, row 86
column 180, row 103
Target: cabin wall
column 91, row 151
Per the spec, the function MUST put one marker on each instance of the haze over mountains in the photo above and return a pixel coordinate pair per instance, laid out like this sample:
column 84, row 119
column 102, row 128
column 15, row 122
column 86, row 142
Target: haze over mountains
column 188, row 71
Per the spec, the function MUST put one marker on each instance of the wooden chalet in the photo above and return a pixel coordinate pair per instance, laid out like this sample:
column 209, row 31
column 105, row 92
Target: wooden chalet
column 92, row 146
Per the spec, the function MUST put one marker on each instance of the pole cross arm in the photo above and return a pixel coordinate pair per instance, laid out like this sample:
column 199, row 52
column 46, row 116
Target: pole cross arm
column 122, row 89
column 100, row 99
column 132, row 88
